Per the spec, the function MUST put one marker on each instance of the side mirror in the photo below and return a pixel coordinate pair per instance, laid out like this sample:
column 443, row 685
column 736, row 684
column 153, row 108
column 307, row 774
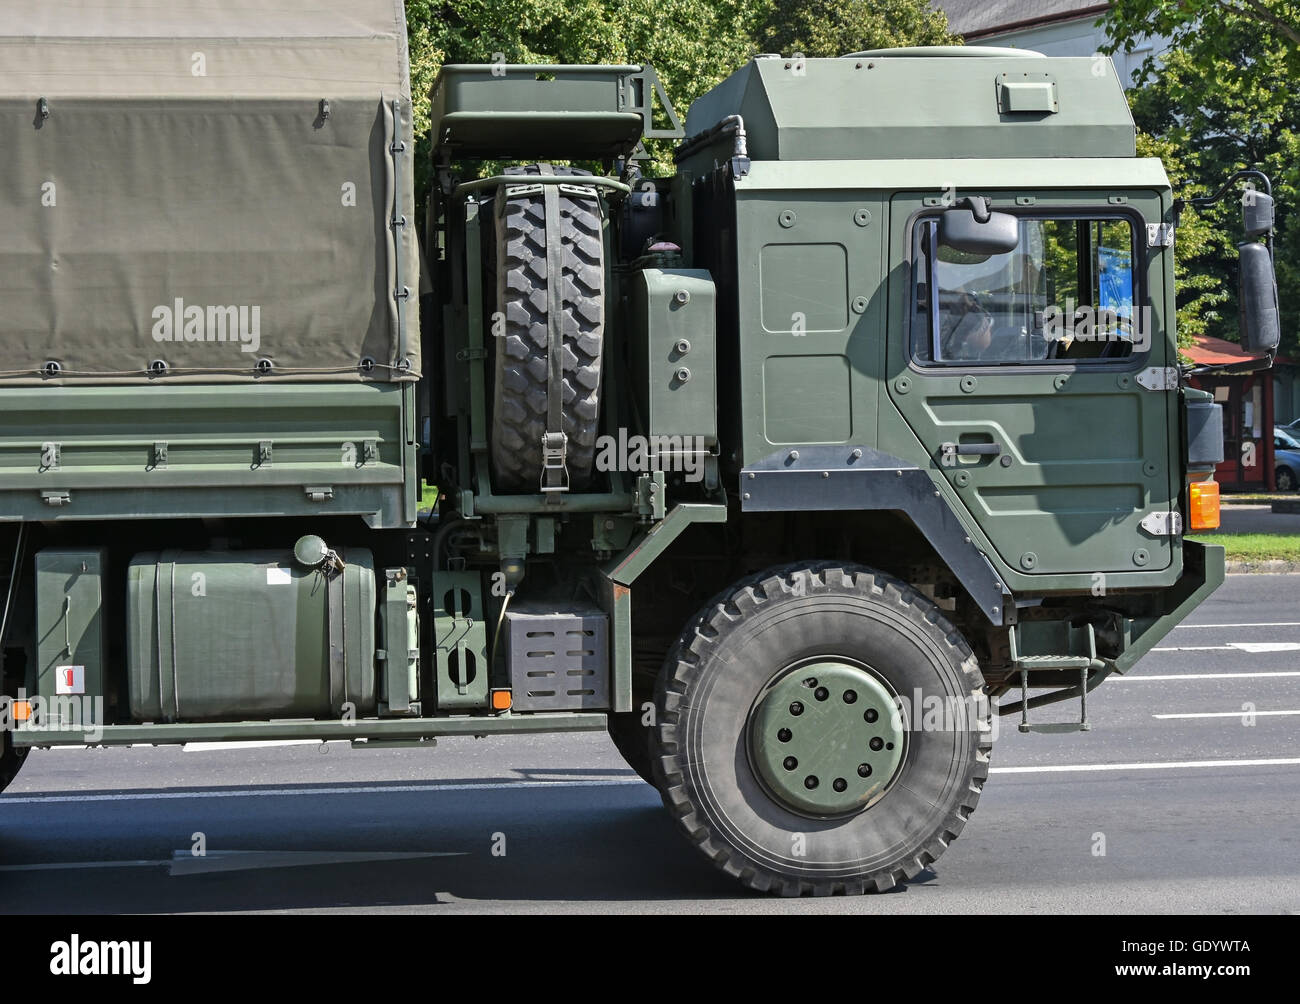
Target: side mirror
column 970, row 227
column 1257, row 213
column 1261, row 327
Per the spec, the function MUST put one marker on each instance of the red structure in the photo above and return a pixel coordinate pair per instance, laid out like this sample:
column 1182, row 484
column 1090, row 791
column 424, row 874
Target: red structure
column 1247, row 399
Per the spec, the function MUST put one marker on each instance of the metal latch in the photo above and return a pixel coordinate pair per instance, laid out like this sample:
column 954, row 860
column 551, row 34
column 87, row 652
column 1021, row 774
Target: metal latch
column 264, row 453
column 555, row 448
column 369, row 452
column 1160, row 235
column 320, row 494
column 1158, row 378
column 159, row 455
column 56, row 498
column 1163, row 523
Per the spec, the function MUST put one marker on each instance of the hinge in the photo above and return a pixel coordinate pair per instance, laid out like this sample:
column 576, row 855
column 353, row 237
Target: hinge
column 467, row 355
column 1163, row 523
column 56, row 498
column 1160, row 235
column 320, row 494
column 1159, row 378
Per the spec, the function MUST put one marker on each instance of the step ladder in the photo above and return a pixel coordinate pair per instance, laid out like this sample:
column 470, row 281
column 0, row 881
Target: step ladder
column 1083, row 663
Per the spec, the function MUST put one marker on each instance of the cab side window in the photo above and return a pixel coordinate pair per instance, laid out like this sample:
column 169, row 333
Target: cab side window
column 1065, row 293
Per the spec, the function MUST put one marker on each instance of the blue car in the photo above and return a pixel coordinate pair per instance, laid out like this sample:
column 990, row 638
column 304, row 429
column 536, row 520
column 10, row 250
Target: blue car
column 1286, row 460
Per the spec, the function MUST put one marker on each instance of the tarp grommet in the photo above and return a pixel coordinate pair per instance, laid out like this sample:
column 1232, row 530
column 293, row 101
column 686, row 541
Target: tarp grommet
column 51, row 368
column 157, row 367
column 263, row 366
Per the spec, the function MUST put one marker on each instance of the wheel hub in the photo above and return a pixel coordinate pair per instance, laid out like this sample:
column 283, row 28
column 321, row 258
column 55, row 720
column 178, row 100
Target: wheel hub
column 826, row 738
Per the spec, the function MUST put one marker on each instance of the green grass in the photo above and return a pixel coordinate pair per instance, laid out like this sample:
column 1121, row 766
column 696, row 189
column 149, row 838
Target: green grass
column 428, row 496
column 1254, row 498
column 1256, row 546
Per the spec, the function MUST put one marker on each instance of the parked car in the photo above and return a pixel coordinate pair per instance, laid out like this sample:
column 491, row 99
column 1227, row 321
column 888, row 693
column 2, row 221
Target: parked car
column 1286, row 458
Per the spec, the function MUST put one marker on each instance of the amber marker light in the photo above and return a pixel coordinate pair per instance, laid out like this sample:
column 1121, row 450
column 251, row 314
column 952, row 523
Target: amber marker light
column 1203, row 500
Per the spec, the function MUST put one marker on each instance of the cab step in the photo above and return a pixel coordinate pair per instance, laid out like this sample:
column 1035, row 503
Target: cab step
column 1083, row 663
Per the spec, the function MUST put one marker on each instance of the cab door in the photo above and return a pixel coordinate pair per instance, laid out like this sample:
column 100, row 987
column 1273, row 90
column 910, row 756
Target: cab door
column 1027, row 379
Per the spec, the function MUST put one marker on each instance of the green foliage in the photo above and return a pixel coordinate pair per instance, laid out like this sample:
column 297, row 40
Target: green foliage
column 1202, row 248
column 1220, row 100
column 834, row 27
column 693, row 44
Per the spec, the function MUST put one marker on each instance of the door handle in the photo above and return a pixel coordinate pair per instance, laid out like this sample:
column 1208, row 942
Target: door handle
column 980, row 449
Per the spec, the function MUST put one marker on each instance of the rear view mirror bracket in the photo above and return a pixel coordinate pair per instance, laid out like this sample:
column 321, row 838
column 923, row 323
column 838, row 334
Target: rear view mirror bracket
column 969, row 225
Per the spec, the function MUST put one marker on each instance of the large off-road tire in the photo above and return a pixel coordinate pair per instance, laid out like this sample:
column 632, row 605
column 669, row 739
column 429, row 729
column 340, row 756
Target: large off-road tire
column 11, row 759
column 520, row 392
column 802, row 659
column 632, row 740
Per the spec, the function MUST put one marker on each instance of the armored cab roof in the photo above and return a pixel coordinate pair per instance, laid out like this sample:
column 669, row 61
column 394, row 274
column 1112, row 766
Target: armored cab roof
column 946, row 102
column 203, row 48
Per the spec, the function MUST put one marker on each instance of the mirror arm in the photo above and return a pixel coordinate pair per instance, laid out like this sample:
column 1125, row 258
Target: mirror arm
column 977, row 204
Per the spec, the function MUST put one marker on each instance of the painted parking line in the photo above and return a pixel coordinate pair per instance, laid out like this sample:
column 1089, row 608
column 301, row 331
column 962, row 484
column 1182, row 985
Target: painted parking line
column 1230, row 714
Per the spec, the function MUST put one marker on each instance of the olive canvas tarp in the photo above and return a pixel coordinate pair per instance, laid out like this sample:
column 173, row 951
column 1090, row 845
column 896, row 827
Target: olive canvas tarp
column 205, row 190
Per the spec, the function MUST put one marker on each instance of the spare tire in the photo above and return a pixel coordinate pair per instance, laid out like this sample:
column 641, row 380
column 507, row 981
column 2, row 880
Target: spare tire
column 521, row 388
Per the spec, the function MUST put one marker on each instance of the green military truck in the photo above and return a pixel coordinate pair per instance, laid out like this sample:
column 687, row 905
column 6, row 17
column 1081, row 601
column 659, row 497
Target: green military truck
column 794, row 470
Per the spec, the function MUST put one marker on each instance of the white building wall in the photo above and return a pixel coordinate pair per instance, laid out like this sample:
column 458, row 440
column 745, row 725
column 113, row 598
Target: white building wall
column 1080, row 37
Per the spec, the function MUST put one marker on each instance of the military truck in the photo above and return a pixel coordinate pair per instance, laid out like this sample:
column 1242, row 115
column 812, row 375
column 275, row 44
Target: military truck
column 794, row 469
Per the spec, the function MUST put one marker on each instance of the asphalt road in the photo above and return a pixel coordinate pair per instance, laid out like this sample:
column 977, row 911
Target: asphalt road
column 1193, row 803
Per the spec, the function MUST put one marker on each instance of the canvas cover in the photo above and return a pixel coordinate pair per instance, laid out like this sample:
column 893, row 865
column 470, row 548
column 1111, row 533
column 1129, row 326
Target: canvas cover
column 206, row 184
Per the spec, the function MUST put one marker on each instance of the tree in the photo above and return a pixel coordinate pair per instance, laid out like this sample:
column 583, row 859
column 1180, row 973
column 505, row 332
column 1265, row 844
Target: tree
column 693, row 44
column 1219, row 100
column 834, row 27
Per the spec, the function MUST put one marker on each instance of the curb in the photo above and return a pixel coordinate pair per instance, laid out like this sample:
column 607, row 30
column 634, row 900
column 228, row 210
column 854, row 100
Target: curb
column 1275, row 566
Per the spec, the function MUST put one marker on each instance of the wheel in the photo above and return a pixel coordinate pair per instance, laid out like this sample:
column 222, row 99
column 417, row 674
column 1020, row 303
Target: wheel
column 11, row 759
column 822, row 728
column 632, row 740
column 521, row 368
column 1284, row 477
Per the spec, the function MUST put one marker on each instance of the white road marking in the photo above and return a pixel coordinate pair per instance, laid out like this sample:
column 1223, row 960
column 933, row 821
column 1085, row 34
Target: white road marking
column 1202, row 676
column 186, row 863
column 254, row 744
column 1166, row 765
column 1255, row 624
column 1253, row 647
column 388, row 789
column 1228, row 714
column 368, row 789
